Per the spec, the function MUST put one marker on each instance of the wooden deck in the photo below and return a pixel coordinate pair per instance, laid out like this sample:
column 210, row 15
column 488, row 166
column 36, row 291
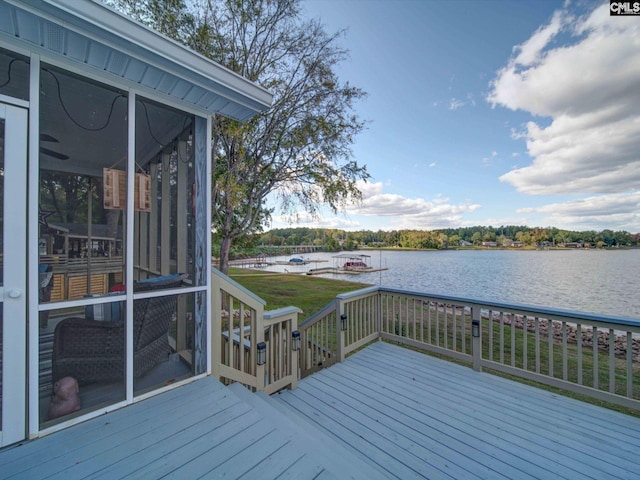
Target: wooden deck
column 386, row 412
column 415, row 416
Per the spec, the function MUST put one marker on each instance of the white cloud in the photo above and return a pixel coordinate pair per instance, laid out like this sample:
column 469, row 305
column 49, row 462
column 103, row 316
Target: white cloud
column 529, row 52
column 433, row 164
column 615, row 211
column 391, row 211
column 409, row 212
column 305, row 220
column 455, row 104
column 589, row 89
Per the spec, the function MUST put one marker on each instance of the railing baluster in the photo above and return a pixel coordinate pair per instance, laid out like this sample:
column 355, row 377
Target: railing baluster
column 454, row 311
column 230, row 307
column 406, row 317
column 596, row 368
column 565, row 360
column 490, row 323
column 537, row 342
column 429, row 341
column 579, row 344
column 513, row 339
column 502, row 337
column 446, row 325
column 612, row 361
column 422, row 321
column 415, row 308
column 629, row 365
column 437, row 324
column 550, row 328
column 525, row 365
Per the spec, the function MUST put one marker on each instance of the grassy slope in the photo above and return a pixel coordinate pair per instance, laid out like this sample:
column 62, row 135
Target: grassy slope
column 309, row 293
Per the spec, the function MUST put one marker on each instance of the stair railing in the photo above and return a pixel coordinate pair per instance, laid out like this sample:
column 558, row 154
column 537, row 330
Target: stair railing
column 249, row 345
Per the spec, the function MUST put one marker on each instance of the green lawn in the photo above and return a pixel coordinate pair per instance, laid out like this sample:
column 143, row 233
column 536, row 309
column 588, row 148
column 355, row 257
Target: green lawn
column 307, row 292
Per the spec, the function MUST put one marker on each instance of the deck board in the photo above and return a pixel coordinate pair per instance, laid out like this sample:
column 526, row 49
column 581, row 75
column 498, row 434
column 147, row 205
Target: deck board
column 188, row 432
column 534, row 435
column 469, row 418
column 386, row 412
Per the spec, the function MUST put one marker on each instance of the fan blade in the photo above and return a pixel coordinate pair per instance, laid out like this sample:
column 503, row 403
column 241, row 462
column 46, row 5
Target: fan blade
column 45, row 137
column 51, row 153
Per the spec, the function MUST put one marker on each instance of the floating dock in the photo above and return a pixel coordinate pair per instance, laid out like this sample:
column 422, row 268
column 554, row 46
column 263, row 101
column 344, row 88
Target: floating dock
column 342, row 271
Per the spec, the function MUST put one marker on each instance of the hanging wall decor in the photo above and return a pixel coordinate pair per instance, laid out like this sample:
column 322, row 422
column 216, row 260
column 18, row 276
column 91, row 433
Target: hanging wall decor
column 115, row 189
column 143, row 193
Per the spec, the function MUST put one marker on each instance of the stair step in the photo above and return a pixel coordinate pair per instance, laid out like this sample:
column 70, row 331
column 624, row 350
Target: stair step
column 336, row 460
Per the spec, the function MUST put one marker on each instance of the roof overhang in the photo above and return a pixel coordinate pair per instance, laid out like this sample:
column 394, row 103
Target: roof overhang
column 95, row 37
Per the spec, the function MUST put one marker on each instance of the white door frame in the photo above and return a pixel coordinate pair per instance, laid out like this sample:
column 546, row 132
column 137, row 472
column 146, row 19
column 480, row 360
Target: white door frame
column 13, row 293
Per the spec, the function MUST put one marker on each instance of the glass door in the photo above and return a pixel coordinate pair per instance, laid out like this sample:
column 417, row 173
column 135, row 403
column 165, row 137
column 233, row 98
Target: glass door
column 13, row 273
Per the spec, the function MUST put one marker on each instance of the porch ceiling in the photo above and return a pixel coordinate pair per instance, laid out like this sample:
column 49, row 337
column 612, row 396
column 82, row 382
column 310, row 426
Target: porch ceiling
column 95, row 38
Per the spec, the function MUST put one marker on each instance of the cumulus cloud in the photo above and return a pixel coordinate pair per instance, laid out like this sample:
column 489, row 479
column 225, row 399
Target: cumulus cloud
column 305, row 220
column 410, row 212
column 394, row 211
column 589, row 88
column 615, row 211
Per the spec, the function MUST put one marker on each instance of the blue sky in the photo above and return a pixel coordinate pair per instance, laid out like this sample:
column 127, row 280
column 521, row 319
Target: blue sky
column 490, row 112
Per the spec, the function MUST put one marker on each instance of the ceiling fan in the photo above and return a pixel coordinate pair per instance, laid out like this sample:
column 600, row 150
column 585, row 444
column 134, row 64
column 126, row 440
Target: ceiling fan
column 44, row 137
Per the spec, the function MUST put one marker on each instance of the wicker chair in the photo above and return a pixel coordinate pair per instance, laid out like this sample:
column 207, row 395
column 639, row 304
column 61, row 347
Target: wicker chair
column 94, row 351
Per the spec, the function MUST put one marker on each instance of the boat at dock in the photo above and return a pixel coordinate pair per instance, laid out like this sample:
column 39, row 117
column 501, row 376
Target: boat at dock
column 348, row 264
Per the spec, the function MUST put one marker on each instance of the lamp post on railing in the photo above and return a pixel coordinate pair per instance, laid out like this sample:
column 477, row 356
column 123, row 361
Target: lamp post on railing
column 342, row 329
column 295, row 355
column 262, row 353
column 476, row 341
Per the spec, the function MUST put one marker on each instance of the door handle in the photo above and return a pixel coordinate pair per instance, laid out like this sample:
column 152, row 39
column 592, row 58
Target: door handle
column 14, row 293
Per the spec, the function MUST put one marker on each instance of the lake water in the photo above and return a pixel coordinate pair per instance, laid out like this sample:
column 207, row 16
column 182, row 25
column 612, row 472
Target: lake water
column 596, row 281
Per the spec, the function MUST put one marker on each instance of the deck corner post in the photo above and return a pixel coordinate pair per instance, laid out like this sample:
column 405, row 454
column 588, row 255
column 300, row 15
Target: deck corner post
column 215, row 348
column 295, row 361
column 257, row 326
column 340, row 311
column 379, row 315
column 476, row 338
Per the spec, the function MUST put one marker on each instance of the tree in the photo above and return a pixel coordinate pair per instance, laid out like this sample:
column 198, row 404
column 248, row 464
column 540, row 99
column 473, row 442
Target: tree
column 299, row 150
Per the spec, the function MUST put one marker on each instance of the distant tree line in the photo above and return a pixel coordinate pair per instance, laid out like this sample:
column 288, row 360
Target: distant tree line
column 503, row 236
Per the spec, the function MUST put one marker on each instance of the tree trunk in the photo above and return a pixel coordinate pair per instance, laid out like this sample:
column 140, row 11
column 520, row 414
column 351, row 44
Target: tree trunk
column 225, row 248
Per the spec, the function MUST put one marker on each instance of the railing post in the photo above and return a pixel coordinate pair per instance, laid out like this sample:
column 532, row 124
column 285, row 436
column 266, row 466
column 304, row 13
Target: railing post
column 379, row 314
column 216, row 327
column 341, row 332
column 257, row 327
column 476, row 338
column 294, row 367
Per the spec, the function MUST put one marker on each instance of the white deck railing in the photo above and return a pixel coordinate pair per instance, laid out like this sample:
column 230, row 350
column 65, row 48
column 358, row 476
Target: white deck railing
column 597, row 356
column 241, row 328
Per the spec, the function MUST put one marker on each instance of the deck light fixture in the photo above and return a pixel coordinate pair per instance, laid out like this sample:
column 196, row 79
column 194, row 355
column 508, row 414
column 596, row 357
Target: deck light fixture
column 343, row 322
column 475, row 328
column 262, row 353
column 295, row 336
